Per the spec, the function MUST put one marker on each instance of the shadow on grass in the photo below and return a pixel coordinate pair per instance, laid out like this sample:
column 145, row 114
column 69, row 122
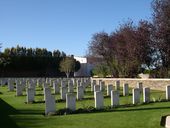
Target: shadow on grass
column 42, row 101
column 91, row 110
column 120, row 108
column 141, row 109
column 163, row 120
column 39, row 95
column 23, row 95
column 30, row 112
column 26, row 118
column 29, row 121
column 5, row 111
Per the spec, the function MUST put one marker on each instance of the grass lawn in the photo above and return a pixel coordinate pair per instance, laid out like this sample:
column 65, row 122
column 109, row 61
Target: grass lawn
column 14, row 113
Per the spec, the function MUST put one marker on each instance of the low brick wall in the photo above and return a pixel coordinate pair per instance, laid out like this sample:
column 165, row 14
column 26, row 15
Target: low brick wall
column 156, row 84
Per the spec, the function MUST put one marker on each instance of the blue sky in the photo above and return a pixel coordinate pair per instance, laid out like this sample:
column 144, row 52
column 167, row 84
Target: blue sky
column 67, row 25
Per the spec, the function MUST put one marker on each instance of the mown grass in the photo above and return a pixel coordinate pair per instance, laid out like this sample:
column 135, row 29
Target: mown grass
column 14, row 113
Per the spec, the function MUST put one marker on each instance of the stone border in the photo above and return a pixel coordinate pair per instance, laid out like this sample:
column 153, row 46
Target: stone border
column 156, row 84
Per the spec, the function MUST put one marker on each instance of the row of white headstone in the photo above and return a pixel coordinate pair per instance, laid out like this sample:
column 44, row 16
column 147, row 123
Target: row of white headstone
column 50, row 104
column 67, row 88
column 23, row 84
column 64, row 87
column 99, row 99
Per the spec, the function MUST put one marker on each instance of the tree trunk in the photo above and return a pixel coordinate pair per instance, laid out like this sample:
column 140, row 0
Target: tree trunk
column 67, row 74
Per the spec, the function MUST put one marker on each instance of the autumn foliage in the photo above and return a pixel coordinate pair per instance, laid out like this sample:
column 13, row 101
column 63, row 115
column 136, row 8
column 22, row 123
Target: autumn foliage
column 132, row 49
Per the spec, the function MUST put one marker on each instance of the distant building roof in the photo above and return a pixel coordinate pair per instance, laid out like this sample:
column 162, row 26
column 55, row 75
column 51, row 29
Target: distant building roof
column 81, row 59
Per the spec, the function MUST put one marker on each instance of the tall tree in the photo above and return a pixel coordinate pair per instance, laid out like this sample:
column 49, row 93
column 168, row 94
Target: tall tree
column 125, row 49
column 161, row 22
column 30, row 62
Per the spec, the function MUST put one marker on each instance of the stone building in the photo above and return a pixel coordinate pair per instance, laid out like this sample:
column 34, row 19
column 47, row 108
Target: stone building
column 87, row 64
column 85, row 67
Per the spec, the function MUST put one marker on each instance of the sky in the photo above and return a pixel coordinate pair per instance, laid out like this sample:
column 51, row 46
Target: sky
column 66, row 25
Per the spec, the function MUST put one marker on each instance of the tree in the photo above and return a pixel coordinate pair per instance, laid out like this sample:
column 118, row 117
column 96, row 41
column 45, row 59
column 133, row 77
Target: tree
column 99, row 44
column 124, row 50
column 56, row 53
column 101, row 70
column 30, row 62
column 67, row 65
column 100, row 47
column 4, row 61
column 161, row 35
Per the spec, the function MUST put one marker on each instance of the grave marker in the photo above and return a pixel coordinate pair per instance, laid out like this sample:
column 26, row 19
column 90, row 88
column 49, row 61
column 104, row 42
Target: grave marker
column 98, row 96
column 71, row 101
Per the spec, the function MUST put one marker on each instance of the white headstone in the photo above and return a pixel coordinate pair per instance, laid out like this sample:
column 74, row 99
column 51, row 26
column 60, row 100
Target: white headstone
column 30, row 95
column 51, row 82
column 114, row 98
column 167, row 122
column 109, row 89
column 63, row 93
column 136, row 95
column 10, row 85
column 168, row 92
column 140, row 86
column 96, row 88
column 80, row 92
column 31, row 85
column 47, row 92
column 93, row 83
column 78, row 82
column 125, row 89
column 99, row 82
column 49, row 101
column 99, row 100
column 71, row 101
column 45, row 85
column 19, row 90
column 56, row 88
column 102, row 85
column 63, row 83
column 70, row 87
column 50, row 106
column 117, row 85
column 146, row 95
